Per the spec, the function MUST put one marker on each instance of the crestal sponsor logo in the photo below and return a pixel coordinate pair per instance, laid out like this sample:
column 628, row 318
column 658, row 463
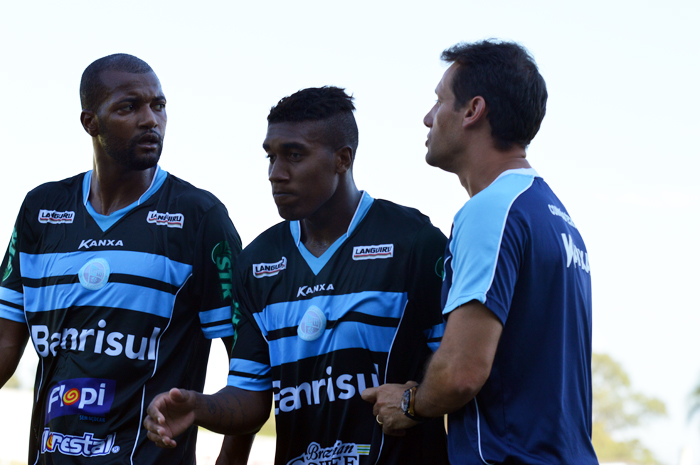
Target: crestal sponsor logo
column 171, row 220
column 575, row 255
column 83, row 340
column 372, row 252
column 88, row 396
column 87, row 243
column 556, row 211
column 54, row 217
column 86, row 445
column 263, row 270
column 338, row 454
column 306, row 290
column 292, row 398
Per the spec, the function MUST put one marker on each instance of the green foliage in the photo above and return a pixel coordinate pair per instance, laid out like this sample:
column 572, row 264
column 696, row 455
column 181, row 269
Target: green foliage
column 618, row 408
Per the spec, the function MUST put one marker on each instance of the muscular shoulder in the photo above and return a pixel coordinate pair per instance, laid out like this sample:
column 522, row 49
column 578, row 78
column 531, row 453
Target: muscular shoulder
column 55, row 190
column 268, row 246
column 182, row 192
column 398, row 216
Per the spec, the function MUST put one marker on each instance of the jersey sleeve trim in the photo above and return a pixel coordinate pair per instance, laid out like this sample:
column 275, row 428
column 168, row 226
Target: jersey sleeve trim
column 476, row 243
column 12, row 305
column 249, row 375
column 434, row 335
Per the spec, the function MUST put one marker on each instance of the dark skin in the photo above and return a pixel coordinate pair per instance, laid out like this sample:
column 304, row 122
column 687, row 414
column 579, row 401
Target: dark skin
column 312, row 183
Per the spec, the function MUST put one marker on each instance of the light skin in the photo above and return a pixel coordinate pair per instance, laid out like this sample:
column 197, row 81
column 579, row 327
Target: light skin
column 460, row 142
column 312, row 183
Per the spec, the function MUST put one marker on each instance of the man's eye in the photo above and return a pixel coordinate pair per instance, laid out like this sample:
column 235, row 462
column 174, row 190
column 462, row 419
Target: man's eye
column 295, row 155
column 159, row 106
column 270, row 156
column 128, row 107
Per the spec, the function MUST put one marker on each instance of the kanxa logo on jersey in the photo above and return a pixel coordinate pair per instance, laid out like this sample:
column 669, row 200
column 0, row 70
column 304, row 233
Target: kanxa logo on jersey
column 87, row 243
column 372, row 252
column 88, row 396
column 306, row 290
column 171, row 220
column 264, row 270
column 97, row 340
column 86, row 445
column 338, row 454
column 54, row 217
column 343, row 387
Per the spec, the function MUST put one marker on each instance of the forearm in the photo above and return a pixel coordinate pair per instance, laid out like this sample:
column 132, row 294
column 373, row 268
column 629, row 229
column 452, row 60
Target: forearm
column 441, row 392
column 235, row 450
column 233, row 411
column 13, row 339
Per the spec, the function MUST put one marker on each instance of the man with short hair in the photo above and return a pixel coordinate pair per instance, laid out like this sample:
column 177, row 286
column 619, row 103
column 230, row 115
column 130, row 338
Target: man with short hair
column 120, row 276
column 514, row 367
column 341, row 296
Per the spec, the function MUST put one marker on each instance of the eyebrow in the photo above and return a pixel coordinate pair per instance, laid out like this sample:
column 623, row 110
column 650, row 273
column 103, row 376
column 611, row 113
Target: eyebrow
column 288, row 146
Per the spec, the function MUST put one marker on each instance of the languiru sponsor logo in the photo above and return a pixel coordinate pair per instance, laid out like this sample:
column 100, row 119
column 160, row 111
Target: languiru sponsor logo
column 171, row 220
column 86, row 445
column 54, row 217
column 47, row 343
column 86, row 396
column 372, row 252
column 264, row 270
column 338, row 454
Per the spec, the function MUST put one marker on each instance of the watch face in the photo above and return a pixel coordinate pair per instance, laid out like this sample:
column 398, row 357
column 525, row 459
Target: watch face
column 405, row 401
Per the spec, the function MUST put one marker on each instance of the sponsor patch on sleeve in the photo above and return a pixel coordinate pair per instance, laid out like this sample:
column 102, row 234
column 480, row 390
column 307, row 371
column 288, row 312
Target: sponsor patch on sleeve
column 372, row 252
column 171, row 220
column 54, row 217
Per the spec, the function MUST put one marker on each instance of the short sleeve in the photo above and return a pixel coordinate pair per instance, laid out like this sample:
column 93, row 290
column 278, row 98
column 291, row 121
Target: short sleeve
column 11, row 295
column 216, row 251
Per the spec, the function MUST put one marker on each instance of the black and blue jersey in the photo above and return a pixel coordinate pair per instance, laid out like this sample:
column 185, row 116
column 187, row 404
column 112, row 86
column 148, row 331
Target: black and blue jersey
column 119, row 308
column 317, row 331
column 515, row 249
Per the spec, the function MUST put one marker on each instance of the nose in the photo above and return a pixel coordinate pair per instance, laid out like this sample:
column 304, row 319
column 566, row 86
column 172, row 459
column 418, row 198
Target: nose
column 149, row 119
column 276, row 171
column 428, row 118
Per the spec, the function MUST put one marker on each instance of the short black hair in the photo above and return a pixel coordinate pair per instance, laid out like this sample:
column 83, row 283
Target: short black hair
column 93, row 90
column 328, row 105
column 506, row 76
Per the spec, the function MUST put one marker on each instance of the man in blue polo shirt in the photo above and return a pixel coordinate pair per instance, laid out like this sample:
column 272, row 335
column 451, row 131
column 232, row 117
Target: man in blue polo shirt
column 514, row 367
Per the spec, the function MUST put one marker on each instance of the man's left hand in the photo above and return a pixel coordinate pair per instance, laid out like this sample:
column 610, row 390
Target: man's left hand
column 387, row 407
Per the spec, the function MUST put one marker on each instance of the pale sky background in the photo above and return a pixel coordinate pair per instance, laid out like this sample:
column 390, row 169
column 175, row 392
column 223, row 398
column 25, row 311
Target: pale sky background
column 616, row 145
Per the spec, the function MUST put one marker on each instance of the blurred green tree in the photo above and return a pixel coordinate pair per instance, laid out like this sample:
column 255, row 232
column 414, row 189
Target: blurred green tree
column 618, row 408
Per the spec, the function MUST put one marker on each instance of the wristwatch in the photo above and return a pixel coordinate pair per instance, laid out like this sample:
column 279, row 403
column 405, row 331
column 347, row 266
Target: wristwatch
column 408, row 404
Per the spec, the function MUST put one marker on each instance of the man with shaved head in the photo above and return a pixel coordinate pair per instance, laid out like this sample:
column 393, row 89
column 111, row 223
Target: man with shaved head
column 120, row 276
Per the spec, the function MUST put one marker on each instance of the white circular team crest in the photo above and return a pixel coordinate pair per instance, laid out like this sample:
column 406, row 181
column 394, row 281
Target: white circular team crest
column 94, row 274
column 312, row 324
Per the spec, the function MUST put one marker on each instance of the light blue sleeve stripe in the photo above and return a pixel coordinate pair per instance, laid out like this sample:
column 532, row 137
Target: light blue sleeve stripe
column 249, row 384
column 132, row 263
column 248, row 366
column 14, row 297
column 214, row 332
column 476, row 239
column 433, row 346
column 218, row 314
column 287, row 314
column 12, row 314
column 347, row 335
column 116, row 295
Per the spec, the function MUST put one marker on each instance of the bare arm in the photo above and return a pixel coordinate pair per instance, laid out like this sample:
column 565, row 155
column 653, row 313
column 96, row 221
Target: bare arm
column 455, row 374
column 235, row 450
column 13, row 340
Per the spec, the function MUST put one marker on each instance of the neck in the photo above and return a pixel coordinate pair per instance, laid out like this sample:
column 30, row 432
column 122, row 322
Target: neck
column 320, row 230
column 113, row 186
column 480, row 170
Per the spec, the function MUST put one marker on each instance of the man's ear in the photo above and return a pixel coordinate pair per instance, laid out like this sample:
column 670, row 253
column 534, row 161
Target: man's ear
column 474, row 112
column 89, row 121
column 344, row 158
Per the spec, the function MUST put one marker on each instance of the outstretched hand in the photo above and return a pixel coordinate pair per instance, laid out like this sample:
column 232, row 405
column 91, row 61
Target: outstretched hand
column 387, row 407
column 169, row 415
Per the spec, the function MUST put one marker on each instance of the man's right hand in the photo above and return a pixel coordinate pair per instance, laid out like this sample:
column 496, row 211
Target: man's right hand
column 169, row 415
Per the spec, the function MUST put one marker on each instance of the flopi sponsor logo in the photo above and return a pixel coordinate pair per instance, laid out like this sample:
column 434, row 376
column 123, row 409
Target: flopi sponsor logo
column 574, row 255
column 338, row 454
column 306, row 290
column 86, row 445
column 87, row 243
column 88, row 396
column 171, row 220
column 263, row 270
column 372, row 252
column 98, row 341
column 54, row 217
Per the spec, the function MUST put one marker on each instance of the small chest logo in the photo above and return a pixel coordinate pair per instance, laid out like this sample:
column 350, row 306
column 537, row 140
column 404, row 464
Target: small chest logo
column 372, row 252
column 94, row 274
column 54, row 217
column 171, row 220
column 87, row 243
column 312, row 324
column 263, row 270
